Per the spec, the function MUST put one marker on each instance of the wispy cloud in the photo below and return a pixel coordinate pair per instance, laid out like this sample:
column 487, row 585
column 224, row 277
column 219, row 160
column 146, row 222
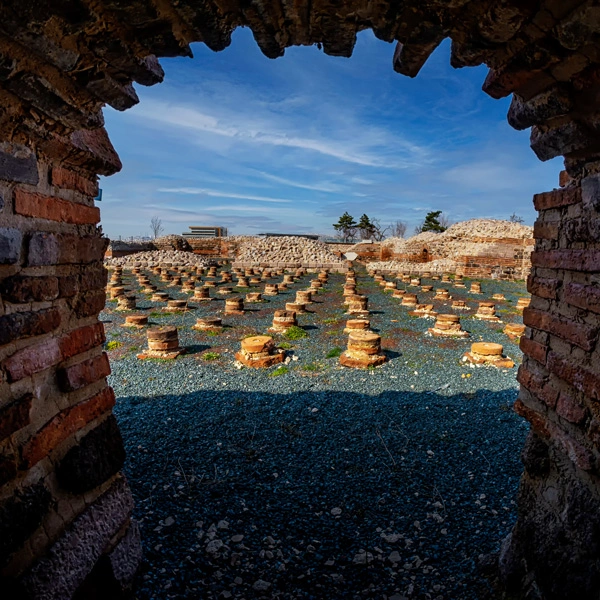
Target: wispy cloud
column 317, row 187
column 217, row 194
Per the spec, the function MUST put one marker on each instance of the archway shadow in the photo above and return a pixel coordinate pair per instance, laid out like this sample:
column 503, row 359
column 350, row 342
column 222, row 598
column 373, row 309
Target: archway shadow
column 415, row 479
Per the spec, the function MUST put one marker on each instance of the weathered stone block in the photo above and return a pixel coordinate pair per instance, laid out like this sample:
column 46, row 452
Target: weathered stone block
column 10, row 245
column 43, row 249
column 18, row 164
column 583, row 296
column 57, row 575
column 99, row 455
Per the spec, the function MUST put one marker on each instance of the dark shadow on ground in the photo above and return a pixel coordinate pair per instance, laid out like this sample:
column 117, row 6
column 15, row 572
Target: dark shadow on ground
column 422, row 482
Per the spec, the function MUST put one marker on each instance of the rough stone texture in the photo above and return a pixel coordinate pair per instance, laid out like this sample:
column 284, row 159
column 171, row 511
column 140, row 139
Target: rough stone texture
column 475, row 248
column 275, row 251
column 57, row 575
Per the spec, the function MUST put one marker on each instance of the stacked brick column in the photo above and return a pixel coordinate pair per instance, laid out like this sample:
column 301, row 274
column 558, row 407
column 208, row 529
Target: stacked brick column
column 556, row 542
column 63, row 503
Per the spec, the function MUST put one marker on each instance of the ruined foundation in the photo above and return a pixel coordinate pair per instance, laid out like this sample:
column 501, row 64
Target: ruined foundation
column 448, row 326
column 163, row 342
column 364, row 350
column 488, row 354
column 259, row 352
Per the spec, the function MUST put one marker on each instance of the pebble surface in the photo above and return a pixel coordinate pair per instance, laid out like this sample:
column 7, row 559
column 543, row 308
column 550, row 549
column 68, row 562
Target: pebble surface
column 312, row 480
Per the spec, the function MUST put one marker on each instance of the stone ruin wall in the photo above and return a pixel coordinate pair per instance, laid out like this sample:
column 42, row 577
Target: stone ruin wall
column 65, row 509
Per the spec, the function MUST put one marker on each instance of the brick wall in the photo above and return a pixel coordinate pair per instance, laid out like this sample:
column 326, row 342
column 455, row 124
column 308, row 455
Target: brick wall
column 556, row 537
column 60, row 447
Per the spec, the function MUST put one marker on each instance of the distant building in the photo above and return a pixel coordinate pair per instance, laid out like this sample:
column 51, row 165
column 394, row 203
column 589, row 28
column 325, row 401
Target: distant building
column 199, row 231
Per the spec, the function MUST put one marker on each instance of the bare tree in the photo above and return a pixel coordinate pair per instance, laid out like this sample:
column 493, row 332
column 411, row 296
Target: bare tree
column 378, row 232
column 398, row 229
column 156, row 227
column 514, row 218
column 444, row 221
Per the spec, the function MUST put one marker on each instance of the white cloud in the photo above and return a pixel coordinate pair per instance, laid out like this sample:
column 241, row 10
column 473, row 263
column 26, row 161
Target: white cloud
column 216, row 194
column 259, row 125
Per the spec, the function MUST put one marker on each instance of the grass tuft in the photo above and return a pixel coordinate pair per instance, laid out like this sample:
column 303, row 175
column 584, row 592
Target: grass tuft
column 295, row 333
column 334, row 352
column 279, row 371
column 113, row 345
column 211, row 356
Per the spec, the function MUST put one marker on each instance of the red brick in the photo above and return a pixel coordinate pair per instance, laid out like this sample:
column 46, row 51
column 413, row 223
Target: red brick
column 24, row 324
column 537, row 420
column 31, row 204
column 90, row 304
column 542, row 287
column 15, row 416
column 557, row 198
column 19, row 289
column 571, row 260
column 568, row 408
column 76, row 250
column 63, row 178
column 538, row 386
column 81, row 374
column 63, row 425
column 93, row 278
column 545, row 231
column 579, row 334
column 32, row 359
column 534, row 349
column 564, row 179
column 581, row 379
column 583, row 296
column 81, row 340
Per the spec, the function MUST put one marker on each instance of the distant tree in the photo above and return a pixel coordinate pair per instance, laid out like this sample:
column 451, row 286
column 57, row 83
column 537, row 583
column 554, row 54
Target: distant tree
column 514, row 218
column 156, row 227
column 379, row 231
column 445, row 221
column 398, row 229
column 346, row 227
column 432, row 223
column 365, row 228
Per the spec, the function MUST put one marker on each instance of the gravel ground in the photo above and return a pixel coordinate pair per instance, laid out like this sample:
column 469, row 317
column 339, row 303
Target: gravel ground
column 320, row 481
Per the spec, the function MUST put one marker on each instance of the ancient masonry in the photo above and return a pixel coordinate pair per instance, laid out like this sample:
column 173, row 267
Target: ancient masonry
column 65, row 508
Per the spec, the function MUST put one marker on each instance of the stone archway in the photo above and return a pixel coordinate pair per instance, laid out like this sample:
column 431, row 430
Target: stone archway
column 60, row 62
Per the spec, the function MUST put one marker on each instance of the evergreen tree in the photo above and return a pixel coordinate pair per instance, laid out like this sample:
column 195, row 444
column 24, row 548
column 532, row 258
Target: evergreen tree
column 432, row 223
column 366, row 227
column 346, row 226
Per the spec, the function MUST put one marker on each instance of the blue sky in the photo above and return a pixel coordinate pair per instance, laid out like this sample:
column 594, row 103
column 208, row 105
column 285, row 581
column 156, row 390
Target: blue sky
column 287, row 145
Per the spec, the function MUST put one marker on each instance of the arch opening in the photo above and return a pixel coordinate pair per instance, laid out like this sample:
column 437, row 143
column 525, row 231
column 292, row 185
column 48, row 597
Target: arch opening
column 56, row 408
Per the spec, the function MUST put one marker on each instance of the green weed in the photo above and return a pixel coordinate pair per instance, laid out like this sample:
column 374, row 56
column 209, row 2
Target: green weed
column 211, row 356
column 113, row 345
column 295, row 333
column 334, row 352
column 279, row 371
